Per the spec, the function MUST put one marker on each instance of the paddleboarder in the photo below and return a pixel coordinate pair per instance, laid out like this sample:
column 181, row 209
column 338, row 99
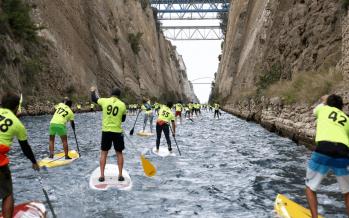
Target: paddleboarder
column 162, row 125
column 10, row 127
column 331, row 152
column 179, row 109
column 113, row 114
column 62, row 115
column 148, row 114
column 216, row 110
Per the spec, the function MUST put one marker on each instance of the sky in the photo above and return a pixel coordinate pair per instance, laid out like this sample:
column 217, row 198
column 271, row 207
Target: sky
column 201, row 60
column 200, row 57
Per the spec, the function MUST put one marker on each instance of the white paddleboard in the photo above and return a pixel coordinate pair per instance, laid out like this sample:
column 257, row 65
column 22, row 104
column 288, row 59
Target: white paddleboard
column 111, row 172
column 29, row 210
column 163, row 152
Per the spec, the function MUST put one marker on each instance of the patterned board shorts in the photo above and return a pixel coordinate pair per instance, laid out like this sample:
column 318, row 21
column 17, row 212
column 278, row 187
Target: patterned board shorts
column 320, row 165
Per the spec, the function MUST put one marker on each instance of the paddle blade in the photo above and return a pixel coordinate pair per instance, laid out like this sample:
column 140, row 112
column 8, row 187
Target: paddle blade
column 148, row 167
column 20, row 104
column 132, row 130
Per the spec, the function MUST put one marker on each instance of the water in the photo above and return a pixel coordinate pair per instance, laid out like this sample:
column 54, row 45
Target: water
column 228, row 168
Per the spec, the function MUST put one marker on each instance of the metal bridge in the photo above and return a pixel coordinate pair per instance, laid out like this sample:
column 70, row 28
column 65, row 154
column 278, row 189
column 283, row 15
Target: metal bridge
column 192, row 32
column 191, row 10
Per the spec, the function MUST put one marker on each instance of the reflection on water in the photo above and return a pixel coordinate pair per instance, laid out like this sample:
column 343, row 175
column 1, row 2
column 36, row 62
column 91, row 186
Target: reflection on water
column 228, row 168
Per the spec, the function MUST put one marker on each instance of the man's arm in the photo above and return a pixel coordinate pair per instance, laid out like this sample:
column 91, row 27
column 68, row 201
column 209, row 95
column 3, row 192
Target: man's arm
column 323, row 102
column 28, row 153
column 94, row 95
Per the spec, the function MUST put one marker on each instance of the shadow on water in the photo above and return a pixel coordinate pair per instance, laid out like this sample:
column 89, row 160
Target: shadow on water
column 228, row 168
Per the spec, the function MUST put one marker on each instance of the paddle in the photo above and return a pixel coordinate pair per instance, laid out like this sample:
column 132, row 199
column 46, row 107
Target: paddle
column 148, row 167
column 77, row 145
column 46, row 196
column 133, row 129
column 179, row 151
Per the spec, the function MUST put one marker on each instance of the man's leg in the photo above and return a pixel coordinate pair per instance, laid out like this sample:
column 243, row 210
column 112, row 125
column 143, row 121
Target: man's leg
column 65, row 146
column 6, row 192
column 105, row 146
column 343, row 182
column 102, row 162
column 51, row 146
column 151, row 122
column 119, row 146
column 312, row 201
column 120, row 160
column 7, row 206
column 158, row 136
column 166, row 130
column 346, row 200
column 145, row 121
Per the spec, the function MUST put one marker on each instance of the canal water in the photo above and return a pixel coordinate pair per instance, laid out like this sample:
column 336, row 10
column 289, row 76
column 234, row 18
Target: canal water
column 228, row 168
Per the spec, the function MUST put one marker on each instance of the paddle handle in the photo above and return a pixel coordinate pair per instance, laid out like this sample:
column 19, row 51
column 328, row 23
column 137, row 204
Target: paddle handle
column 179, row 151
column 133, row 128
column 46, row 196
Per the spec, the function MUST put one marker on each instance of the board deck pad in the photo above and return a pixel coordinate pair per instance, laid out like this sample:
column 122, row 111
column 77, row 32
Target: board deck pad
column 163, row 152
column 141, row 133
column 111, row 172
column 287, row 208
column 59, row 159
column 31, row 209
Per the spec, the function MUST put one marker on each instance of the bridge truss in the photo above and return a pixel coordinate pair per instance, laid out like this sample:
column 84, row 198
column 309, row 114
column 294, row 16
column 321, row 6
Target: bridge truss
column 193, row 32
column 191, row 10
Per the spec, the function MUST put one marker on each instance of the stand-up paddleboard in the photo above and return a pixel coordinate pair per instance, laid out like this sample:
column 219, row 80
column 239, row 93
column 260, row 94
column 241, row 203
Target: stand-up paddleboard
column 287, row 208
column 163, row 152
column 111, row 172
column 141, row 133
column 29, row 210
column 59, row 159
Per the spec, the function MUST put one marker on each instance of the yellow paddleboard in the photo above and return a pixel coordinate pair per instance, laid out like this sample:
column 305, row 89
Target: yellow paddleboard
column 141, row 133
column 59, row 159
column 286, row 208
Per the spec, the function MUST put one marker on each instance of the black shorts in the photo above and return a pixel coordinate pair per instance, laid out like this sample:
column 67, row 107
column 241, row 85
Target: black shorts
column 5, row 182
column 112, row 137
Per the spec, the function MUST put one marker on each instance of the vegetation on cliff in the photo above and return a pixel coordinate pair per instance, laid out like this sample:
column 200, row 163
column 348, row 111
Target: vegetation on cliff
column 15, row 19
column 134, row 40
column 345, row 4
column 306, row 87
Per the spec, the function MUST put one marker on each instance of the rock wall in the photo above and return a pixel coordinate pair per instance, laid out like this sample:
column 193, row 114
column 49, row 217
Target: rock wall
column 84, row 43
column 297, row 35
column 188, row 86
column 345, row 46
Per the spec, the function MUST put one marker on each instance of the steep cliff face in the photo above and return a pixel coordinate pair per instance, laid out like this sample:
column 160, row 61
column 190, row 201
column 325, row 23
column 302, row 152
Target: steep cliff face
column 84, row 43
column 294, row 35
column 277, row 40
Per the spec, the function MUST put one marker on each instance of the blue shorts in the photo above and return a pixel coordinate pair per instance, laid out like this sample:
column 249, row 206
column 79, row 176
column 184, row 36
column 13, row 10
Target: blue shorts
column 320, row 165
